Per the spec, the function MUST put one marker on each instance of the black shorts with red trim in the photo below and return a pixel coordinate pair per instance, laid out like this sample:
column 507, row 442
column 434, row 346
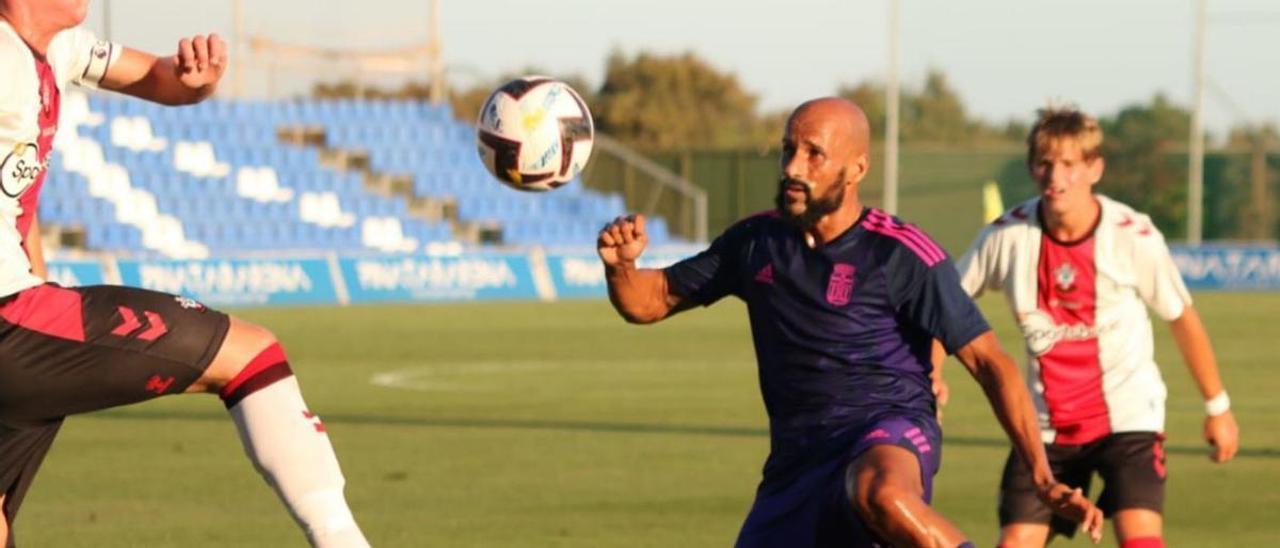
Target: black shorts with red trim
column 1131, row 465
column 74, row 350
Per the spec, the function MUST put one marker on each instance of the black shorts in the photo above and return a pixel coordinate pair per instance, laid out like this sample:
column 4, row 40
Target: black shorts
column 73, row 350
column 1131, row 464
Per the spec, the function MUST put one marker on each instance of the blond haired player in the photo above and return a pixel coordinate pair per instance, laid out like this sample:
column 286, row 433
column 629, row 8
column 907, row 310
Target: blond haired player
column 74, row 350
column 1079, row 271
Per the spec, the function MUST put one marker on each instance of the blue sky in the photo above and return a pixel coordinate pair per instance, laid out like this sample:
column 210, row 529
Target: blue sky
column 1006, row 57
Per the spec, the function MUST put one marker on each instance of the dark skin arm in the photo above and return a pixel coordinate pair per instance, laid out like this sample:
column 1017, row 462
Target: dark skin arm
column 640, row 295
column 1005, row 389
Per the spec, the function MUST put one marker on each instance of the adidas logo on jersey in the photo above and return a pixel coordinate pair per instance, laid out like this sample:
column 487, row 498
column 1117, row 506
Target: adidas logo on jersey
column 765, row 275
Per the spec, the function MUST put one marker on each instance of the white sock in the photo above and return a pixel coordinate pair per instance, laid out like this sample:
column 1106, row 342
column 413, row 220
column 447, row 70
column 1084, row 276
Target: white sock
column 289, row 447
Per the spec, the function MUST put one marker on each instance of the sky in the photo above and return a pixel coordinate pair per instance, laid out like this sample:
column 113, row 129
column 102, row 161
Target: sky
column 1005, row 57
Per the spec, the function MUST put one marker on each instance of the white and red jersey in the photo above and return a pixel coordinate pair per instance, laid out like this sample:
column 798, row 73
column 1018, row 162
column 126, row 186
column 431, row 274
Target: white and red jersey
column 1082, row 308
column 30, row 93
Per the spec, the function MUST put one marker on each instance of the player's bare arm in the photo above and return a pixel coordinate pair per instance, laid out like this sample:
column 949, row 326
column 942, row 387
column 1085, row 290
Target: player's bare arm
column 1220, row 428
column 640, row 295
column 189, row 76
column 996, row 372
column 35, row 249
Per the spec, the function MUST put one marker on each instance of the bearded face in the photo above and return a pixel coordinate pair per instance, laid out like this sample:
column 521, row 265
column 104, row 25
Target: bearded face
column 797, row 203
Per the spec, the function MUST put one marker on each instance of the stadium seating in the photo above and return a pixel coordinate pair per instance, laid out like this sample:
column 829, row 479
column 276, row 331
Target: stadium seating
column 214, row 179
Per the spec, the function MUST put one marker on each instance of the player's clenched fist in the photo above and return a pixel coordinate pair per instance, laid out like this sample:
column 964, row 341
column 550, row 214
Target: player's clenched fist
column 200, row 60
column 622, row 241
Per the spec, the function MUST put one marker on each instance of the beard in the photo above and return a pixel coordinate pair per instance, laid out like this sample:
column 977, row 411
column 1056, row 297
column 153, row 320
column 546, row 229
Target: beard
column 814, row 208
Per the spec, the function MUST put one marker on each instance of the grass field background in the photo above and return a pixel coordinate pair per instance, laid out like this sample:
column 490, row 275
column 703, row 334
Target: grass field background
column 556, row 424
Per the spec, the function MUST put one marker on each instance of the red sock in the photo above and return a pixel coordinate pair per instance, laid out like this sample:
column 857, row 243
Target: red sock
column 1143, row 542
column 266, row 368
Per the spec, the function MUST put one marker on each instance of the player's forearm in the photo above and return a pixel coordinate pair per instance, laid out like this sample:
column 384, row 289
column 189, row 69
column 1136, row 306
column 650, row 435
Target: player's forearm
column 638, row 294
column 1193, row 342
column 1007, row 393
column 161, row 85
column 1017, row 415
column 155, row 79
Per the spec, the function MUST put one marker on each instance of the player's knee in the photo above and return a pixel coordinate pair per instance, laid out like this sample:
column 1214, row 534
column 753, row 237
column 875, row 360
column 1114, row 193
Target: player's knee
column 879, row 502
column 1023, row 537
column 246, row 344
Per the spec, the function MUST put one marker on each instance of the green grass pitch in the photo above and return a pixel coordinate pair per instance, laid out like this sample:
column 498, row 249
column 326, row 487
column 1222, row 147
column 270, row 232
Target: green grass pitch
column 536, row 424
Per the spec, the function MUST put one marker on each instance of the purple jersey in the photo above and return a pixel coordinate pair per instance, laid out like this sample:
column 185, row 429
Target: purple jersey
column 842, row 333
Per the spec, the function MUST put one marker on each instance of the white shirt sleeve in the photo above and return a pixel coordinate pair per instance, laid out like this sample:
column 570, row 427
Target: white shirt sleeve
column 80, row 57
column 1159, row 283
column 978, row 264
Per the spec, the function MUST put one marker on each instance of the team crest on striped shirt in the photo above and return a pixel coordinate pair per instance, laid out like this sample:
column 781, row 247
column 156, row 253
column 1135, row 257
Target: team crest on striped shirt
column 1065, row 277
column 840, row 284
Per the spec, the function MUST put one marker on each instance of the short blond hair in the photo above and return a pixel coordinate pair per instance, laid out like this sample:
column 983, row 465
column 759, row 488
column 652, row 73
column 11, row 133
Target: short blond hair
column 1057, row 123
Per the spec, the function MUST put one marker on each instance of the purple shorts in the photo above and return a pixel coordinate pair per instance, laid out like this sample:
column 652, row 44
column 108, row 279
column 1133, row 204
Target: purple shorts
column 814, row 510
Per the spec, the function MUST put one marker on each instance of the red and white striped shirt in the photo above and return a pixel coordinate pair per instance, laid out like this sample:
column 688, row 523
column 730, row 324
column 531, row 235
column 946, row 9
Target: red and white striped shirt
column 30, row 96
column 1082, row 309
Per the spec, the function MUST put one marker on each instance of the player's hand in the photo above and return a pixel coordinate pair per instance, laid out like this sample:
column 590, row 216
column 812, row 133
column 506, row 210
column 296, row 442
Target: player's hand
column 1223, row 435
column 200, row 60
column 1071, row 503
column 622, row 241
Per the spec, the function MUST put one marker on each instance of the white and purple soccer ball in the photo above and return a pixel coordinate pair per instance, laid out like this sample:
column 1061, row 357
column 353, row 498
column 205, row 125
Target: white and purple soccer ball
column 534, row 133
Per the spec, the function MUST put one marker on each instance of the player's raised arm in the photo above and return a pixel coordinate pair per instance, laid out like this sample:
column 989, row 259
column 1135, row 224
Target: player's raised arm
column 1004, row 388
column 189, row 76
column 640, row 295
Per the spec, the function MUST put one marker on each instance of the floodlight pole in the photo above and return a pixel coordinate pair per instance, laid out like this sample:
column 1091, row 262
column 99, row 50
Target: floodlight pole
column 437, row 89
column 238, row 58
column 1195, row 172
column 891, row 117
column 106, row 20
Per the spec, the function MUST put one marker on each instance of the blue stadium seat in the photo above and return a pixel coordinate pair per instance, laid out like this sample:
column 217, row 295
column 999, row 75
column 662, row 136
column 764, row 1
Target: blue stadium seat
column 402, row 137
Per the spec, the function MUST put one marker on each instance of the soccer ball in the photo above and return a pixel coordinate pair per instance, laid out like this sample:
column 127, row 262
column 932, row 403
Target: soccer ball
column 534, row 133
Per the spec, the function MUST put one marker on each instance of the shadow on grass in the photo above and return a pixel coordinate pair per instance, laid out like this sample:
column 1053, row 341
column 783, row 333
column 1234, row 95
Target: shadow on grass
column 603, row 427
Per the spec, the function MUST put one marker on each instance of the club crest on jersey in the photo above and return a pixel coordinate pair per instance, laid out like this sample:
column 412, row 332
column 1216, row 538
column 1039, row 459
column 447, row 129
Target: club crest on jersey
column 20, row 169
column 840, row 285
column 1065, row 277
column 190, row 304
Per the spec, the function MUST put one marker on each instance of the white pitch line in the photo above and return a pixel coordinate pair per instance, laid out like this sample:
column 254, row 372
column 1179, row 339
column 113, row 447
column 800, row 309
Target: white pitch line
column 492, row 376
column 454, row 376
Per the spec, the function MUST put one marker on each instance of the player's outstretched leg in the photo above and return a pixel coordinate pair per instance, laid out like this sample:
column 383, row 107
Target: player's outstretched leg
column 284, row 439
column 885, row 487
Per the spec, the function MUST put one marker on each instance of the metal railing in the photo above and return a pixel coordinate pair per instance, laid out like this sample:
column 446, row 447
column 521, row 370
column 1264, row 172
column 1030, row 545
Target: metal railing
column 648, row 188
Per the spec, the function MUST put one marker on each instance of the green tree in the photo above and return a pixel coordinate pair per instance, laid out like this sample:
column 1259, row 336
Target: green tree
column 870, row 95
column 934, row 113
column 466, row 102
column 663, row 102
column 1146, row 162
